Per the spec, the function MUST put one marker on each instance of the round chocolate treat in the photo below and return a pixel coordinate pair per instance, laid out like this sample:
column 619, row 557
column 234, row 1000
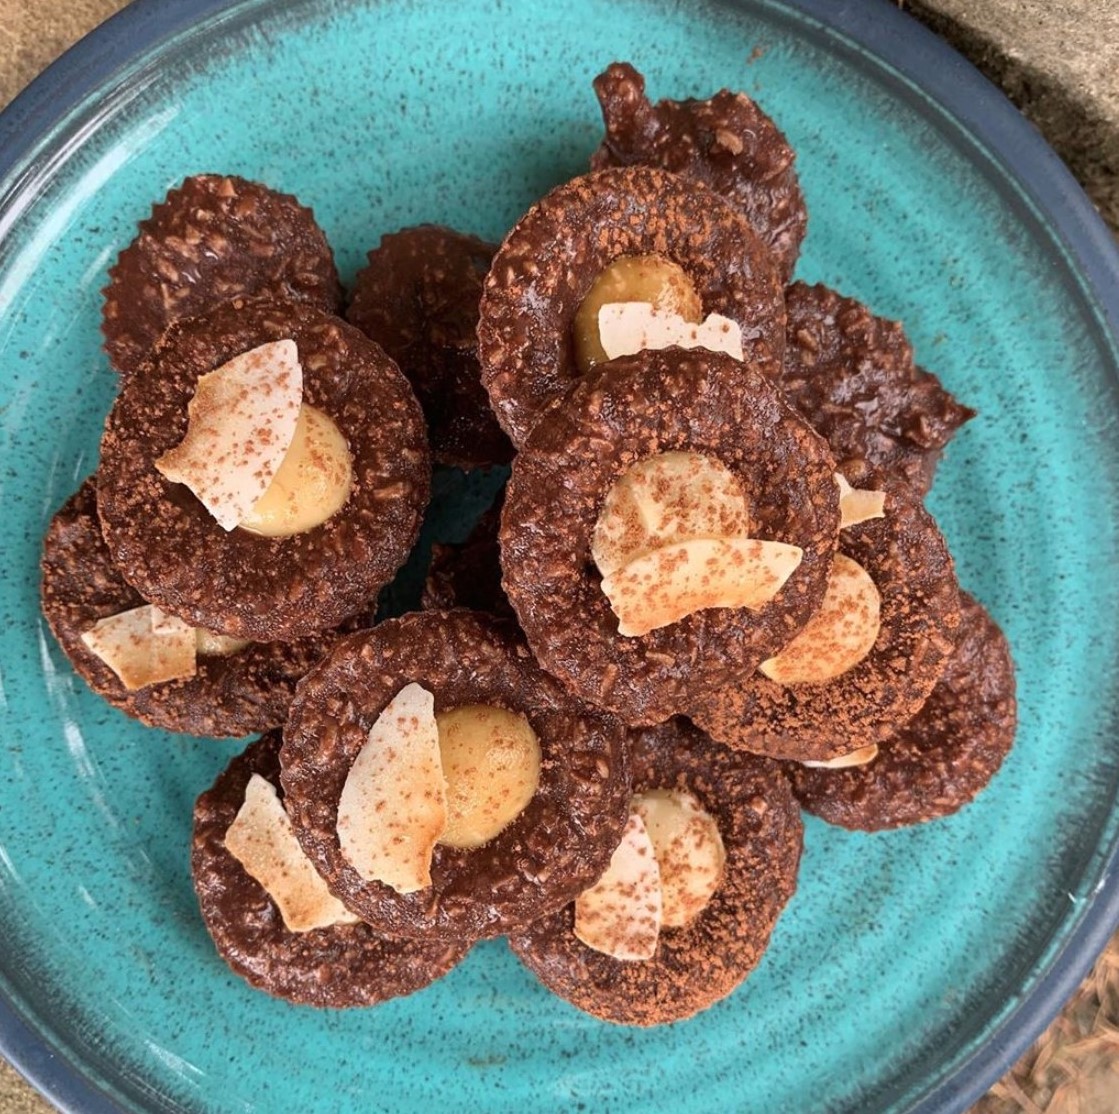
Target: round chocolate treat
column 344, row 964
column 212, row 239
column 624, row 411
column 852, row 375
column 697, row 964
column 418, row 299
column 727, row 143
column 557, row 845
column 944, row 756
column 908, row 560
column 553, row 256
column 468, row 574
column 233, row 693
column 174, row 552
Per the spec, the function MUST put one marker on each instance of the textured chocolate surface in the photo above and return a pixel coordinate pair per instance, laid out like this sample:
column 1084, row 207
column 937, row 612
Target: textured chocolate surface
column 212, row 239
column 625, row 410
column 231, row 695
column 343, row 965
column 726, row 142
column 554, row 849
column 418, row 297
column 552, row 257
column 169, row 547
column 908, row 560
column 468, row 574
column 852, row 375
column 944, row 757
column 698, row 964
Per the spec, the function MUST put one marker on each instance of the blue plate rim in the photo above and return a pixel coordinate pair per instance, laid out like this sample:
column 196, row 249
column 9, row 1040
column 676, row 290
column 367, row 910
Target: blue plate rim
column 886, row 36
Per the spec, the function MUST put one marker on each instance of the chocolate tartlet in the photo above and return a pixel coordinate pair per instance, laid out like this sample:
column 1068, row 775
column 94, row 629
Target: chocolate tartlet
column 172, row 550
column 417, row 297
column 727, row 143
column 696, row 965
column 852, row 375
column 623, row 411
column 213, row 238
column 468, row 574
column 339, row 966
column 552, row 257
column 230, row 695
column 908, row 560
column 944, row 756
column 559, row 844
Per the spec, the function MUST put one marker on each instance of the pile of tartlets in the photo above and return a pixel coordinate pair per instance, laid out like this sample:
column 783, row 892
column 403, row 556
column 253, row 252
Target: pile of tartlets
column 711, row 596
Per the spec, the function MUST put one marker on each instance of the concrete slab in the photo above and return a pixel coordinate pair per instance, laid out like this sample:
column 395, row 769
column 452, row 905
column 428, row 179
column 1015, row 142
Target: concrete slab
column 1059, row 63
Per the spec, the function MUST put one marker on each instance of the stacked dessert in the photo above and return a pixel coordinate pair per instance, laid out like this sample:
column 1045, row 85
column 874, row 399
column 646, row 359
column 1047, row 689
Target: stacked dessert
column 710, row 597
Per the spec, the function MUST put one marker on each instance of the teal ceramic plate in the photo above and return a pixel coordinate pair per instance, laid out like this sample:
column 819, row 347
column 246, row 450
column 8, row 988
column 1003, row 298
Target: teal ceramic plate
column 910, row 967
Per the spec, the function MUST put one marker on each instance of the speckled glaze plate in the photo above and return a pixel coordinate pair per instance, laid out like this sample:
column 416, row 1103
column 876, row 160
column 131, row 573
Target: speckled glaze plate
column 910, row 968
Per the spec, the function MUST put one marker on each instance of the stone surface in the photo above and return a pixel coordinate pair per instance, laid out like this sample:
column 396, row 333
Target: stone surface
column 1058, row 62
column 35, row 32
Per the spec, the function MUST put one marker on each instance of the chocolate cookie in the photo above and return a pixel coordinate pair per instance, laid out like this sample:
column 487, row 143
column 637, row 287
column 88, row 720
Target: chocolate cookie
column 559, row 844
column 171, row 549
column 230, row 695
column 944, row 756
column 468, row 574
column 214, row 238
column 908, row 560
column 696, row 965
column 623, row 411
column 343, row 965
column 727, row 143
column 852, row 375
column 552, row 257
column 418, row 299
